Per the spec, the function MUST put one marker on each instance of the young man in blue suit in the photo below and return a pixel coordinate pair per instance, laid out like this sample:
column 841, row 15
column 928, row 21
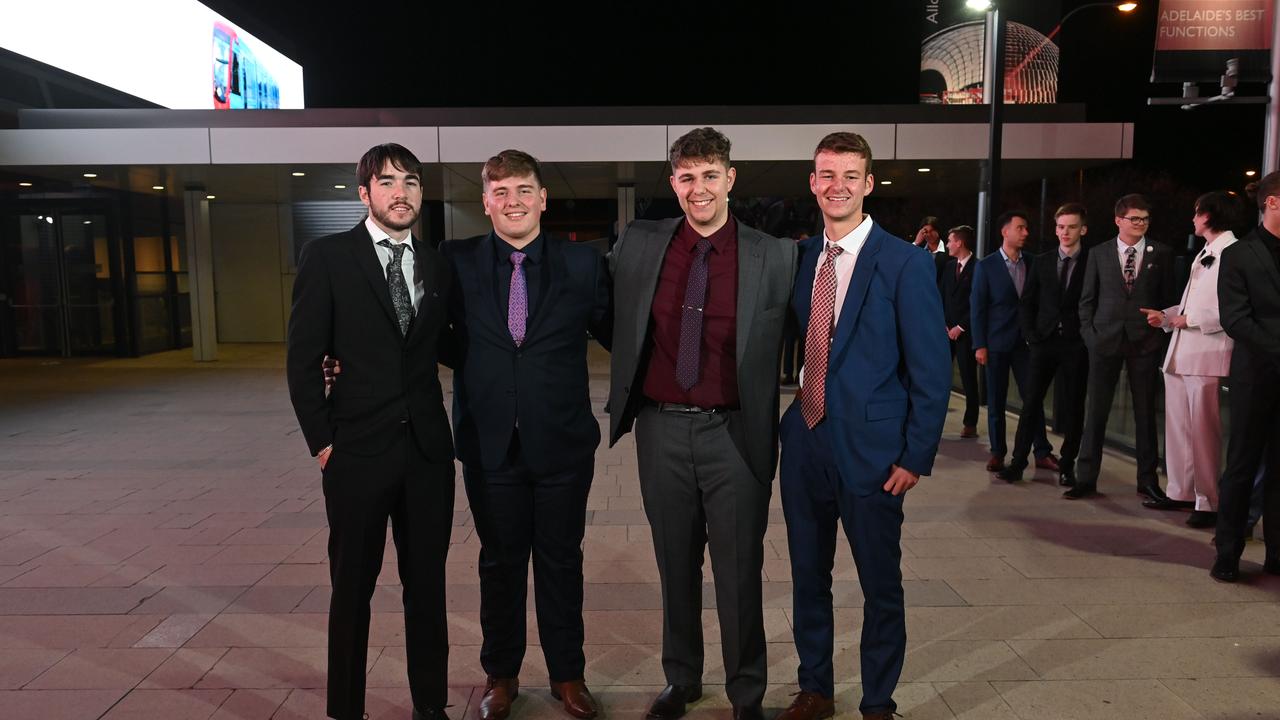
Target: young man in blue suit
column 864, row 427
column 998, row 345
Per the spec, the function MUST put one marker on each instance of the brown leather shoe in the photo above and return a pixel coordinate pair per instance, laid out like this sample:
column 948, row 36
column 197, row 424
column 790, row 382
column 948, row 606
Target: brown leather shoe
column 809, row 706
column 969, row 431
column 995, row 464
column 499, row 693
column 1048, row 462
column 577, row 699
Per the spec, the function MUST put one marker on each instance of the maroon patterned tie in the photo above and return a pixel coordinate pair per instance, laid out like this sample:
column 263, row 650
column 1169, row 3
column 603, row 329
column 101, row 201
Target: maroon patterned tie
column 817, row 340
column 689, row 352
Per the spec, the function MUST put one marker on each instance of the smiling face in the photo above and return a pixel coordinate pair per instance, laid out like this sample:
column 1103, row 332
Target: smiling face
column 840, row 181
column 394, row 199
column 702, row 188
column 514, row 206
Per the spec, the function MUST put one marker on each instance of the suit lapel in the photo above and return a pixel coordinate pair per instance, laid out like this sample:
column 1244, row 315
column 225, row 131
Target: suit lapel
column 427, row 270
column 750, row 274
column 554, row 271
column 1262, row 256
column 653, row 248
column 863, row 271
column 803, row 293
column 367, row 259
column 485, row 278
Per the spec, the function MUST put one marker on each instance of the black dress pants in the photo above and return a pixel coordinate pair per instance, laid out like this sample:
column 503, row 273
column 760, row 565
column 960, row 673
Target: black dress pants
column 519, row 513
column 1144, row 386
column 1254, row 439
column 962, row 352
column 360, row 494
column 1069, row 361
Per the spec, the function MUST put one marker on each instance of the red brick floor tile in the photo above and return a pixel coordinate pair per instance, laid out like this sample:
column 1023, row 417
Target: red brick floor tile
column 50, row 576
column 61, row 631
column 174, row 631
column 168, row 704
column 57, row 704
column 71, row 601
column 101, row 669
column 297, row 575
column 251, row 705
column 198, row 600
column 249, row 554
column 209, row 575
column 19, row 667
column 184, row 668
column 271, row 536
column 294, row 630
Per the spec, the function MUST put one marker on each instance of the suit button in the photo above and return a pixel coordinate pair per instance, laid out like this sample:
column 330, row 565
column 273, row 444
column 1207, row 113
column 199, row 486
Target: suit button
column 626, row 390
column 519, row 354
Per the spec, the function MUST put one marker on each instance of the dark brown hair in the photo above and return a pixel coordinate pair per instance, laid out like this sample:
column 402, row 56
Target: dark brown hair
column 1269, row 185
column 1072, row 208
column 377, row 157
column 845, row 142
column 704, row 144
column 511, row 163
column 1220, row 207
column 1132, row 201
column 966, row 235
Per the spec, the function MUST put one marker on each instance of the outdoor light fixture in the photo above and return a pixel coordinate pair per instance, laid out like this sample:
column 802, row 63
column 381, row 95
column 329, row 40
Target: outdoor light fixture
column 299, row 174
column 1127, row 6
column 1250, row 173
column 91, row 175
column 979, row 5
column 24, row 184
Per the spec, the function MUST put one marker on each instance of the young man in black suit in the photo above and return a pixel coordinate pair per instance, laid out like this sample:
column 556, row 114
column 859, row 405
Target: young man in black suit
column 374, row 295
column 1249, row 307
column 1049, row 312
column 521, row 307
column 954, row 283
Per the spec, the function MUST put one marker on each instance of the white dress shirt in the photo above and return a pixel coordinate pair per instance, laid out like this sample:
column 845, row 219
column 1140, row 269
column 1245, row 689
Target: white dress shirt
column 407, row 264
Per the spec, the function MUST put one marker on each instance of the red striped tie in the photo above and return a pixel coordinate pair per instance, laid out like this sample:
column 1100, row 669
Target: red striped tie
column 817, row 341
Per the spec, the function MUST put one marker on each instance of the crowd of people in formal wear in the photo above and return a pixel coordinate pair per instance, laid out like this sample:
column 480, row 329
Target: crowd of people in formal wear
column 1075, row 317
column 693, row 311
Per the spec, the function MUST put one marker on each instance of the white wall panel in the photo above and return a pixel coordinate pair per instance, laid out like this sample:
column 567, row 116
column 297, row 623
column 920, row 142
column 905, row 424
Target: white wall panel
column 105, row 146
column 586, row 143
column 315, row 144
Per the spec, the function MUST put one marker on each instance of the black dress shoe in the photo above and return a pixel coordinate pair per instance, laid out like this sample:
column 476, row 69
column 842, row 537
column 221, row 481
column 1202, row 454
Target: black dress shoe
column 1272, row 566
column 670, row 703
column 1225, row 570
column 1152, row 491
column 429, row 714
column 1012, row 472
column 1079, row 492
column 748, row 712
column 1201, row 519
column 1168, row 503
column 1067, row 478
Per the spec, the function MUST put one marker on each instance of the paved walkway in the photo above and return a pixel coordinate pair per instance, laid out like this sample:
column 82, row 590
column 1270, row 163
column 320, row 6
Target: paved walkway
column 162, row 555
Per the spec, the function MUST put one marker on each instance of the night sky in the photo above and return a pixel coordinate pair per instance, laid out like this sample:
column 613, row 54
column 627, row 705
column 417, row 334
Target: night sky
column 857, row 52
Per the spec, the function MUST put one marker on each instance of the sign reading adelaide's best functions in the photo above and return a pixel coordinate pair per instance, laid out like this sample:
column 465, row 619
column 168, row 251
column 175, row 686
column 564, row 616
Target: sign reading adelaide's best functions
column 1195, row 38
column 175, row 53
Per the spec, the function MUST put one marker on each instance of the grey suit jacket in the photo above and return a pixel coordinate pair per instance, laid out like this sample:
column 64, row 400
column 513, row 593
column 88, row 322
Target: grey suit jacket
column 1109, row 315
column 766, row 271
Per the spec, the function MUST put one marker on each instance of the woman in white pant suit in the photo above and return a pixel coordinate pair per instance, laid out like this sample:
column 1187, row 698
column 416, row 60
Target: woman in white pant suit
column 1199, row 357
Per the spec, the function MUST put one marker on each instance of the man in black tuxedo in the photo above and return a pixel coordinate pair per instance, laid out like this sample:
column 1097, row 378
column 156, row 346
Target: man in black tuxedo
column 521, row 307
column 375, row 296
column 954, row 283
column 929, row 237
column 1249, row 307
column 1049, row 312
column 1121, row 278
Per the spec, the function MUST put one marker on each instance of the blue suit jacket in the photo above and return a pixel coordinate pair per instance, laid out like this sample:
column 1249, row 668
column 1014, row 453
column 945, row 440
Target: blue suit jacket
column 993, row 305
column 889, row 376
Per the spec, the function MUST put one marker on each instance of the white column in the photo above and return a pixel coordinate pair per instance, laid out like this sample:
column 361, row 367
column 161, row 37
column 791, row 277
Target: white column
column 204, row 323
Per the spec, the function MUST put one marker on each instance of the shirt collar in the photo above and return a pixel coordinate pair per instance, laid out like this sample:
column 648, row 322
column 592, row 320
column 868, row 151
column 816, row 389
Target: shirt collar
column 378, row 234
column 720, row 239
column 1006, row 257
column 851, row 243
column 502, row 249
column 1063, row 256
column 1140, row 245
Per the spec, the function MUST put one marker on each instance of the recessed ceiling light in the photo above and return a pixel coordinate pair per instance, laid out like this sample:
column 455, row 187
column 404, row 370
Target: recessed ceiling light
column 924, row 169
column 88, row 222
column 49, row 219
column 886, row 182
column 299, row 174
column 210, row 197
column 91, row 175
column 24, row 184
column 157, row 187
column 339, row 187
column 1250, row 173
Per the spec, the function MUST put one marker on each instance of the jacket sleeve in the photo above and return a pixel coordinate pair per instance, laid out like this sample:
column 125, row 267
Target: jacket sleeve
column 309, row 339
column 601, row 323
column 927, row 365
column 1236, row 310
column 1089, row 303
column 1029, row 307
column 978, row 300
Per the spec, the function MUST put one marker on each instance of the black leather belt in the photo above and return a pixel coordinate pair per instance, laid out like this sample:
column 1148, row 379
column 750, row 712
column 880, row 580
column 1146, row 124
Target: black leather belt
column 687, row 409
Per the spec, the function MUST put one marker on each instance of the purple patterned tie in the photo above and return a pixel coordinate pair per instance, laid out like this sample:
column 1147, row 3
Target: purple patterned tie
column 518, row 302
column 688, row 356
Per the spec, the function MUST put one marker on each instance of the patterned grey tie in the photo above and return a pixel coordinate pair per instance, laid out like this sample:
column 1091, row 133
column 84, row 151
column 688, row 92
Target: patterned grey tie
column 400, row 297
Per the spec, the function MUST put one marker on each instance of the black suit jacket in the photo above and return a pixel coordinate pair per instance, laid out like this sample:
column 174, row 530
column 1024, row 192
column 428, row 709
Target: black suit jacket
column 543, row 384
column 1044, row 307
column 766, row 272
column 955, row 293
column 1249, row 307
column 342, row 307
column 1109, row 315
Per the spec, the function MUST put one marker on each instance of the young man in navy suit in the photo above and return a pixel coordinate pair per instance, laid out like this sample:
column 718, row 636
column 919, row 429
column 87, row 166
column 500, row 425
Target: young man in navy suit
column 522, row 306
column 864, row 427
column 998, row 283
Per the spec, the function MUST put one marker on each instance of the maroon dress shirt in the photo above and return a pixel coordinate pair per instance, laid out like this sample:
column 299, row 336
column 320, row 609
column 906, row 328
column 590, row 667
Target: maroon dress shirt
column 717, row 385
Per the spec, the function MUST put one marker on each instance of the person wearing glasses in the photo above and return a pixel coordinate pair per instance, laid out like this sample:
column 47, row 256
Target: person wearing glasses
column 1122, row 278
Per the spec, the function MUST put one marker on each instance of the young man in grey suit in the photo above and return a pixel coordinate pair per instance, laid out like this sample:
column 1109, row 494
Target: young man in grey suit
column 1122, row 277
column 699, row 308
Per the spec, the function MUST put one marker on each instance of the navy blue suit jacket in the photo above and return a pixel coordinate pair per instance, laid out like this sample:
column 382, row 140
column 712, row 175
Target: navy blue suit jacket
column 889, row 375
column 994, row 303
column 543, row 384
